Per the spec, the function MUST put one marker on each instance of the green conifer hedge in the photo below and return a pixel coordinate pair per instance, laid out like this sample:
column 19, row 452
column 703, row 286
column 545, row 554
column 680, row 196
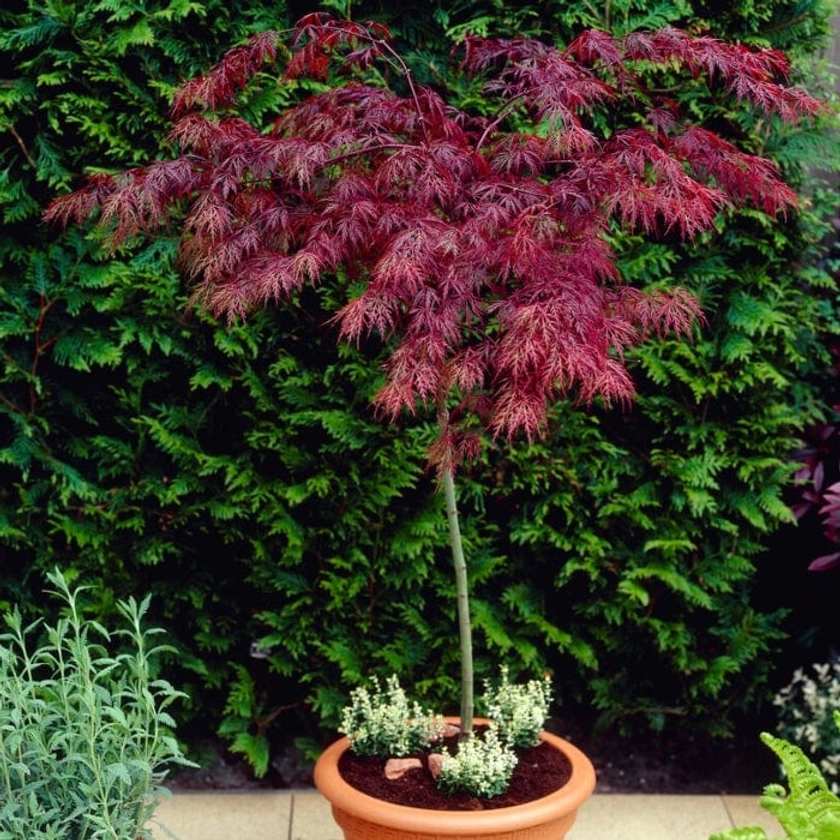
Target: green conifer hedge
column 238, row 474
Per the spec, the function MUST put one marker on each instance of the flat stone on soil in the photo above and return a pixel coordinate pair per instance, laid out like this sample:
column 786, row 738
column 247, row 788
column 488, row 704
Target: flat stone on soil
column 396, row 768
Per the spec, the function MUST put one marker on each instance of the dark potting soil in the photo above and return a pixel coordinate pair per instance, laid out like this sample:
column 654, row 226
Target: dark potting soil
column 541, row 770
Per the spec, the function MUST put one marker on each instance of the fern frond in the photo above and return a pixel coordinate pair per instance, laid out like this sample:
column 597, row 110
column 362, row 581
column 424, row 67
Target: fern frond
column 809, row 811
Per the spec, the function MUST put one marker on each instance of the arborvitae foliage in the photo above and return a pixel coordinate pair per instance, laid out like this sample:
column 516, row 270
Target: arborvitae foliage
column 93, row 353
column 240, row 475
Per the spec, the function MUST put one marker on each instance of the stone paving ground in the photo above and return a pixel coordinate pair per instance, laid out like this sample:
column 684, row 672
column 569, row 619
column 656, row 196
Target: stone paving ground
column 305, row 815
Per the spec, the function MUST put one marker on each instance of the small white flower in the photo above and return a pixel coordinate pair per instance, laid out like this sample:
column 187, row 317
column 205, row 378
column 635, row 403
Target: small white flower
column 385, row 722
column 482, row 766
column 519, row 711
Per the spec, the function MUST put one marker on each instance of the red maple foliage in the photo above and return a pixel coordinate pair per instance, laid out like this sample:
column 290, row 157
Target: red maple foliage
column 480, row 242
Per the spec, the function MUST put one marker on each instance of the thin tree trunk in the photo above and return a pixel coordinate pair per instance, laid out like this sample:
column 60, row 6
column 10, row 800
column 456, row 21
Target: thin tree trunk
column 461, row 582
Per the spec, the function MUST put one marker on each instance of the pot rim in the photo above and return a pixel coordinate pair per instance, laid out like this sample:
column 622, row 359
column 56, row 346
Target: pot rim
column 568, row 798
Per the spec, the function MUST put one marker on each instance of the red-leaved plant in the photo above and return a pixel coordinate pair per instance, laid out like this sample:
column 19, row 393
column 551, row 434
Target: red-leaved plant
column 476, row 244
column 818, row 490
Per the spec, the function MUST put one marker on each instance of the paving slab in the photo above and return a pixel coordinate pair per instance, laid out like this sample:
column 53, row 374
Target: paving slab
column 616, row 816
column 312, row 819
column 209, row 815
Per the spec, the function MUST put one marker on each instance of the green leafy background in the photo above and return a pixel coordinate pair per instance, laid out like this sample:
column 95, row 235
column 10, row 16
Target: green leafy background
column 237, row 473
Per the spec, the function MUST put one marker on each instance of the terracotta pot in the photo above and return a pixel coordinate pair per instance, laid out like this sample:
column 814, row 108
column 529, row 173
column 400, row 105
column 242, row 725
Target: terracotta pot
column 363, row 817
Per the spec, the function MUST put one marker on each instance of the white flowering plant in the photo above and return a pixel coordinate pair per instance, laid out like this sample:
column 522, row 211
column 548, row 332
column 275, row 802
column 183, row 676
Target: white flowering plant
column 482, row 766
column 519, row 710
column 383, row 721
column 808, row 705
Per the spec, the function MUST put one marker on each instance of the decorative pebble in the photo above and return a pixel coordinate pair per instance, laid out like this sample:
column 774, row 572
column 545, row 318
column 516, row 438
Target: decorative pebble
column 396, row 768
column 435, row 763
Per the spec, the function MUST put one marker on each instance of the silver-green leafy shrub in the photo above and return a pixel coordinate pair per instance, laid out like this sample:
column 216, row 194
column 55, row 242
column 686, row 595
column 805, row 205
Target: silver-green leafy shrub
column 383, row 721
column 482, row 766
column 484, row 763
column 85, row 735
column 519, row 710
column 807, row 705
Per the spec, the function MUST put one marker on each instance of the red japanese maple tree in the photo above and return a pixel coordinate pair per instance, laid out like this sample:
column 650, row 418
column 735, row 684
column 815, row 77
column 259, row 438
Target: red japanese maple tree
column 477, row 244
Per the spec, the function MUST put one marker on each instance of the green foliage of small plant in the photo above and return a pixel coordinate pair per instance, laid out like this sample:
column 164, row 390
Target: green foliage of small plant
column 482, row 765
column 246, row 719
column 86, row 735
column 519, row 710
column 383, row 721
column 808, row 811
